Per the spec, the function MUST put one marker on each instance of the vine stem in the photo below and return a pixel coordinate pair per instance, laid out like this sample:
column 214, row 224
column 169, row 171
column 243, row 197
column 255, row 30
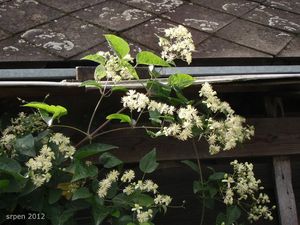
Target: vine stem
column 70, row 127
column 124, row 128
column 90, row 136
column 200, row 176
column 95, row 109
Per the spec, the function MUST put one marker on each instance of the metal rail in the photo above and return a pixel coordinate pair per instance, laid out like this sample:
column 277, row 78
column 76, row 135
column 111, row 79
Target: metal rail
column 141, row 83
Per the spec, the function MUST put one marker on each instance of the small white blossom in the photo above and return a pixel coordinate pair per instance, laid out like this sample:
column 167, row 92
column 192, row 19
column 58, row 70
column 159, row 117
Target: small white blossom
column 106, row 183
column 177, row 43
column 162, row 108
column 114, row 68
column 128, row 176
column 128, row 190
column 162, row 200
column 135, row 101
column 144, row 216
column 40, row 166
column 136, row 208
column 63, row 144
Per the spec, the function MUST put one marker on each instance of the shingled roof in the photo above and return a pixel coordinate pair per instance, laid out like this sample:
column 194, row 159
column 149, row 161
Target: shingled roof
column 62, row 30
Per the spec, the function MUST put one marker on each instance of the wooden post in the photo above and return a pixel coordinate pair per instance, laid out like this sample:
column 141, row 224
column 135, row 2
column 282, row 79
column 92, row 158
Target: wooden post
column 284, row 190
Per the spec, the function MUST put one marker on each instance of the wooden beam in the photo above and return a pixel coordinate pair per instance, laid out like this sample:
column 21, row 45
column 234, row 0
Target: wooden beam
column 273, row 137
column 284, row 191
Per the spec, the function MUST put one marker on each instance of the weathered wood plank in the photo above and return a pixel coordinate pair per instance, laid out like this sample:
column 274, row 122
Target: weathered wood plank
column 284, row 190
column 273, row 137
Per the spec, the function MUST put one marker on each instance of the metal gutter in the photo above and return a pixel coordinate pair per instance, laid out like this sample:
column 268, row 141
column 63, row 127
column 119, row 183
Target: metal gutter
column 37, row 74
column 66, row 73
column 141, row 83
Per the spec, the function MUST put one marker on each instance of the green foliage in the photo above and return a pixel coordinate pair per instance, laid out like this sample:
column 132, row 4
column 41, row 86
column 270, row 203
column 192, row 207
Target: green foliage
column 54, row 195
column 109, row 161
column 56, row 111
column 180, row 80
column 92, row 149
column 100, row 72
column 118, row 116
column 82, row 171
column 119, row 45
column 25, row 145
column 191, row 164
column 91, row 83
column 81, row 193
column 233, row 213
column 148, row 163
column 149, row 58
column 95, row 58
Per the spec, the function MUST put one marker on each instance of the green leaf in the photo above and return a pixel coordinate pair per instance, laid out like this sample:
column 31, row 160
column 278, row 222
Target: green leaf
column 92, row 149
column 119, row 88
column 191, row 164
column 198, row 186
column 116, row 213
column 100, row 72
column 82, row 171
column 125, row 220
column 212, row 191
column 180, row 80
column 158, row 89
column 4, row 183
column 121, row 200
column 148, row 163
column 56, row 110
column 95, row 58
column 109, row 161
column 80, row 193
column 216, row 176
column 25, row 145
column 91, row 83
column 149, row 58
column 11, row 167
column 131, row 69
column 118, row 116
column 54, row 195
column 99, row 214
column 119, row 45
column 142, row 199
column 233, row 213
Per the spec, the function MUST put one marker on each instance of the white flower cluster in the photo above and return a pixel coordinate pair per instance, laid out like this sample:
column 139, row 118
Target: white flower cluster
column 177, row 43
column 135, row 100
column 226, row 134
column 64, row 144
column 243, row 186
column 20, row 126
column 115, row 68
column 7, row 145
column 25, row 124
column 162, row 108
column 223, row 134
column 106, row 183
column 143, row 214
column 128, row 176
column 39, row 167
column 188, row 118
column 212, row 101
